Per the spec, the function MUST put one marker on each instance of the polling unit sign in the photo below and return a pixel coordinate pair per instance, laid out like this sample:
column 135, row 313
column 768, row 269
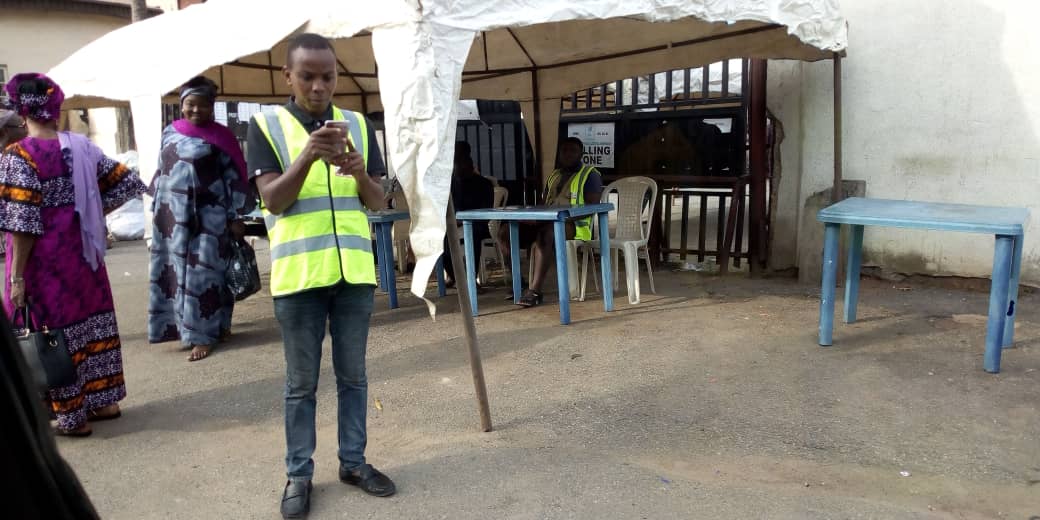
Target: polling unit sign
column 598, row 139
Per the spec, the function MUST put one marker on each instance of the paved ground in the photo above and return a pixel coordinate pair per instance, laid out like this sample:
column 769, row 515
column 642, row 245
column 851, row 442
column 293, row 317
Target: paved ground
column 708, row 400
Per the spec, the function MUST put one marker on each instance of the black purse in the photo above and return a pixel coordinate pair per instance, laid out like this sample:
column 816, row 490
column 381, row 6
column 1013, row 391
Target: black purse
column 243, row 275
column 47, row 355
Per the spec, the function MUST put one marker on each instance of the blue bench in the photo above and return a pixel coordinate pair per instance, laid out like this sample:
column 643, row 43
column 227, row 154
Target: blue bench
column 1006, row 224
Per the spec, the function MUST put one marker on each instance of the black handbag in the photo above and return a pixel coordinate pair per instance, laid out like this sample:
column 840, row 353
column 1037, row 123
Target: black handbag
column 243, row 276
column 47, row 355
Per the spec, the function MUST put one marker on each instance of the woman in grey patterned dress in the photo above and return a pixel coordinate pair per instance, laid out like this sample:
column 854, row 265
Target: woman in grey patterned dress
column 201, row 193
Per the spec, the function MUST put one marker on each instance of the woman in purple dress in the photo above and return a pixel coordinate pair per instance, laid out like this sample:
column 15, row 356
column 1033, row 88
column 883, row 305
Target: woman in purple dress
column 55, row 188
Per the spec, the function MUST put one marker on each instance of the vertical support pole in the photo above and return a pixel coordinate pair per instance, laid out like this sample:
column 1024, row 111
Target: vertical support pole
column 470, row 329
column 757, row 154
column 837, row 191
column 684, row 227
column 537, row 131
column 702, row 229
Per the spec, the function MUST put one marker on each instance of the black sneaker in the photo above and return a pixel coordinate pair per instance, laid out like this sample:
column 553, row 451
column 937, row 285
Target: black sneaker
column 369, row 479
column 296, row 500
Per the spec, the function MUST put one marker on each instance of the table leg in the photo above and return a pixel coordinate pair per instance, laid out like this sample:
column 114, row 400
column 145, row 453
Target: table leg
column 852, row 273
column 562, row 275
column 514, row 258
column 1012, row 310
column 998, row 299
column 830, row 279
column 440, row 276
column 391, row 276
column 381, row 248
column 604, row 264
column 471, row 268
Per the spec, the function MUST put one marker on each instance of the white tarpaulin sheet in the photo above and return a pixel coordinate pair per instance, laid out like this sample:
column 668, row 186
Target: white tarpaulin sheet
column 429, row 53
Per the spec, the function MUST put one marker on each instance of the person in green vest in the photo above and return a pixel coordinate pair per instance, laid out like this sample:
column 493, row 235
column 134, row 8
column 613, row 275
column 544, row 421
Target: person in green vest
column 315, row 177
column 572, row 184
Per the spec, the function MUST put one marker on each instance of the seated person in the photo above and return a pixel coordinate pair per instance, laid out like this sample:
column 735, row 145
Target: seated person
column 468, row 191
column 571, row 185
column 462, row 148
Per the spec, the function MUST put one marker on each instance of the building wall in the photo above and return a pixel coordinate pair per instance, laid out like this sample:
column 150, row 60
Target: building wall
column 941, row 103
column 42, row 39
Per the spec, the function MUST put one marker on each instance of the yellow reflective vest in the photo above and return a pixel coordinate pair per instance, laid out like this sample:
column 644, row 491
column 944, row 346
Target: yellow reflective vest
column 322, row 238
column 582, row 229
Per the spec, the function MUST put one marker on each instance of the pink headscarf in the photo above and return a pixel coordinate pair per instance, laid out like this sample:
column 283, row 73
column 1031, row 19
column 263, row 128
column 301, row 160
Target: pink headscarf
column 38, row 107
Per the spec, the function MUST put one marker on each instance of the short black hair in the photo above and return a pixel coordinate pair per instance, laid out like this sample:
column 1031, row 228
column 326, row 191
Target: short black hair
column 573, row 140
column 307, row 41
column 463, row 148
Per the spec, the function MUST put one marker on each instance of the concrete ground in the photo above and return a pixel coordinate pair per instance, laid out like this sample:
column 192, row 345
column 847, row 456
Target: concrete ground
column 710, row 399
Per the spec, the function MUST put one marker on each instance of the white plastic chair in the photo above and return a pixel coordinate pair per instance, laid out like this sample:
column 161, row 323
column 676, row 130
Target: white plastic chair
column 630, row 237
column 491, row 244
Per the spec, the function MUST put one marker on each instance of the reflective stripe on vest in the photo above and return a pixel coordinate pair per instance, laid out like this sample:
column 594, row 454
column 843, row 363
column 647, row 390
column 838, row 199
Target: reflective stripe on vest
column 582, row 226
column 322, row 238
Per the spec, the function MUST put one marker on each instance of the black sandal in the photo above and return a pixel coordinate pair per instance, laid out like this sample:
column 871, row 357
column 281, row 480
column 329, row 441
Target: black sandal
column 530, row 298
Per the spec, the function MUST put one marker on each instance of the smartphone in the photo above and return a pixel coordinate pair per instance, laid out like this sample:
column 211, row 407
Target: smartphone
column 342, row 125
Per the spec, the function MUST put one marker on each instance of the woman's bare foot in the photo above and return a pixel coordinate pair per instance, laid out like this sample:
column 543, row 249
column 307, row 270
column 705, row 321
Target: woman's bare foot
column 82, row 431
column 105, row 412
column 199, row 352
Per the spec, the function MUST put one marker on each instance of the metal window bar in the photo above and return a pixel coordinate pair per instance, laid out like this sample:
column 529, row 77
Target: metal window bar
column 685, row 98
column 706, row 83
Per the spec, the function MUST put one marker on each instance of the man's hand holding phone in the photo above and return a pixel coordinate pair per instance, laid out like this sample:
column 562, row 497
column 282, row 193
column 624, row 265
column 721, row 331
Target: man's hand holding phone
column 350, row 163
column 327, row 143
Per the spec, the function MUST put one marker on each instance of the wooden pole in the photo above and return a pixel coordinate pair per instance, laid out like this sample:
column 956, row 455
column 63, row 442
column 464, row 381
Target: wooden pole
column 458, row 263
column 757, row 157
column 837, row 192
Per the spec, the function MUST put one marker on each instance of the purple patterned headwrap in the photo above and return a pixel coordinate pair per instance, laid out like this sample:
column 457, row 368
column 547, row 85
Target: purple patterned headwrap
column 38, row 107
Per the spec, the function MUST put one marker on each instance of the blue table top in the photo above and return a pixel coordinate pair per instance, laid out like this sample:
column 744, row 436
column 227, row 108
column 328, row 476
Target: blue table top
column 926, row 215
column 386, row 215
column 533, row 212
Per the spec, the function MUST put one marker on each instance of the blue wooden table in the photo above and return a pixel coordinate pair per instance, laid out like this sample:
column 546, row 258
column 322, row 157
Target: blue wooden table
column 1006, row 224
column 383, row 222
column 559, row 216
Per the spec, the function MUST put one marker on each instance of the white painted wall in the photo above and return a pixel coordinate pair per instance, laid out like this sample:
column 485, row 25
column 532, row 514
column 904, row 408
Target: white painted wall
column 941, row 103
column 40, row 39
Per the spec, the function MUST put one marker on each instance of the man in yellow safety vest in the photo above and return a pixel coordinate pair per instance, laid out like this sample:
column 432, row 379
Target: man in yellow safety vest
column 316, row 168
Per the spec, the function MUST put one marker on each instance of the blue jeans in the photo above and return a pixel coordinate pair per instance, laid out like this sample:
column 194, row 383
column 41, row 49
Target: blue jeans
column 346, row 310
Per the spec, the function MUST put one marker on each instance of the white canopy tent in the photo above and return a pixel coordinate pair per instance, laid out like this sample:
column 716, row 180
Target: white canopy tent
column 414, row 59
